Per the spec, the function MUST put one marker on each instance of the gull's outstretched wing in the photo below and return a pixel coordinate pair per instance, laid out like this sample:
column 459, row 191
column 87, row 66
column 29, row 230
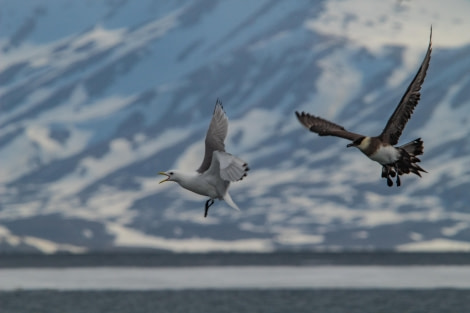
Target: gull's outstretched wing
column 215, row 136
column 231, row 168
column 325, row 128
column 225, row 168
column 408, row 102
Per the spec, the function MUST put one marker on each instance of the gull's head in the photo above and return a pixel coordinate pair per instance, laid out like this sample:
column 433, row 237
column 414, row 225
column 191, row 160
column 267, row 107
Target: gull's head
column 170, row 176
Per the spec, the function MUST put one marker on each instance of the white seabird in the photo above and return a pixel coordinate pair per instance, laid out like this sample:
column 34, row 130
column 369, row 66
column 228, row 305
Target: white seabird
column 218, row 168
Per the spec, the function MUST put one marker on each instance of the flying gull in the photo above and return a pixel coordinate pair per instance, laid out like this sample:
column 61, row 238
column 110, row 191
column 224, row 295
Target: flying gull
column 394, row 160
column 218, row 168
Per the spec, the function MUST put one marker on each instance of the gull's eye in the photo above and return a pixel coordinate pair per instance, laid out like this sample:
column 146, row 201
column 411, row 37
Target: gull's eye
column 171, row 173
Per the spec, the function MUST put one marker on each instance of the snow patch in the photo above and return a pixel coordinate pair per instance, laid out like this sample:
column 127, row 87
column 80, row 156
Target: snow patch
column 126, row 237
column 378, row 24
column 438, row 244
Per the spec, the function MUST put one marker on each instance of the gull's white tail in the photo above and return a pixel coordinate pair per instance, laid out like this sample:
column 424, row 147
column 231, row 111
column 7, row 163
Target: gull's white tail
column 230, row 202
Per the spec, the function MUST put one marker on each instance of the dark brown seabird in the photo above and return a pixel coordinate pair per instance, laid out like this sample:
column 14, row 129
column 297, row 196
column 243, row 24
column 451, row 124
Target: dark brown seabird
column 394, row 160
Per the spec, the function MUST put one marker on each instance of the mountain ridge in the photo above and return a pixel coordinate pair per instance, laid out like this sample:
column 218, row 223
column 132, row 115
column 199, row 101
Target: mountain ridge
column 89, row 115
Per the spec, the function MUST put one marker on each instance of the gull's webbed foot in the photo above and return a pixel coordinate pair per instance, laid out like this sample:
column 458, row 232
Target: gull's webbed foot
column 208, row 205
column 389, row 181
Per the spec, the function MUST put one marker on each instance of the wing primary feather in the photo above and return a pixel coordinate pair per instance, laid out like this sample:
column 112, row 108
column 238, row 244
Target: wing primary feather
column 215, row 135
column 230, row 167
column 324, row 127
column 397, row 121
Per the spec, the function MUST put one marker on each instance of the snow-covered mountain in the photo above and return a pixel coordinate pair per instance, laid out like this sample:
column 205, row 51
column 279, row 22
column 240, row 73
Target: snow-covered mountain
column 96, row 97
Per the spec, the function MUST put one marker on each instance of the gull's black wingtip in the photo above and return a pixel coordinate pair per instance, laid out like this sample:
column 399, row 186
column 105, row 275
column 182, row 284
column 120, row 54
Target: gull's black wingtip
column 218, row 102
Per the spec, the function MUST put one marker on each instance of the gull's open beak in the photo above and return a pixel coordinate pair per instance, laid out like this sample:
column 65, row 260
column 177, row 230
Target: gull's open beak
column 165, row 174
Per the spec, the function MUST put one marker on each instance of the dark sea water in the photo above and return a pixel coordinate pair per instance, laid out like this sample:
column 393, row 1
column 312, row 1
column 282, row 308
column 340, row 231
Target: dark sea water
column 230, row 301
column 187, row 276
column 152, row 259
